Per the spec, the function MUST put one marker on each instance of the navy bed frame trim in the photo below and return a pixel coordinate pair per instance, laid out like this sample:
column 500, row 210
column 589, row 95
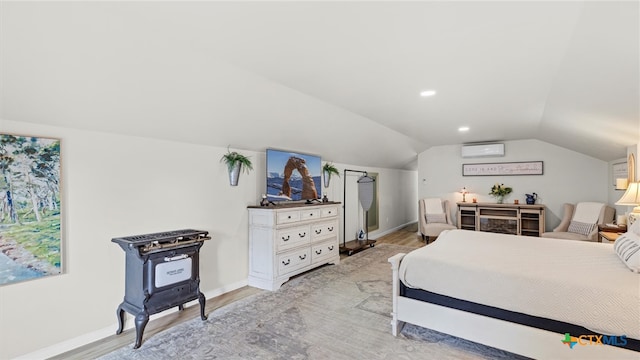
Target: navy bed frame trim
column 506, row 315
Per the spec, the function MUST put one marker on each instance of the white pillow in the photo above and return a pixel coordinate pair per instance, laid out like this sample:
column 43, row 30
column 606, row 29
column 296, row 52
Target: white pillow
column 436, row 218
column 627, row 246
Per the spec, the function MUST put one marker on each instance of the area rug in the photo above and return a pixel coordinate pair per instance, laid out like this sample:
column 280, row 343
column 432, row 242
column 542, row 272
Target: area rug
column 333, row 312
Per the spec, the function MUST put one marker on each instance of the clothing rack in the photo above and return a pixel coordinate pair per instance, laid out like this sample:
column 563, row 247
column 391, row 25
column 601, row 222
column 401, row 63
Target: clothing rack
column 354, row 246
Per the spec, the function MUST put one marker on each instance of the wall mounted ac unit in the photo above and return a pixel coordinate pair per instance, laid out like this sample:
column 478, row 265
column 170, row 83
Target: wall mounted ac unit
column 482, row 150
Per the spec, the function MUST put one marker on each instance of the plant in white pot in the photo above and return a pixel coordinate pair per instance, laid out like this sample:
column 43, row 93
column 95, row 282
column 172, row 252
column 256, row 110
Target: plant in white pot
column 327, row 170
column 236, row 162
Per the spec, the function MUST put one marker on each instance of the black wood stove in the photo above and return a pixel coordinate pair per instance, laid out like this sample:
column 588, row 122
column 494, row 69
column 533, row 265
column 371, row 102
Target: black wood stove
column 162, row 271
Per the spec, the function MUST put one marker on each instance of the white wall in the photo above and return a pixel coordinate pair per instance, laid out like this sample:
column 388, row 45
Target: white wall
column 568, row 176
column 115, row 185
column 397, row 192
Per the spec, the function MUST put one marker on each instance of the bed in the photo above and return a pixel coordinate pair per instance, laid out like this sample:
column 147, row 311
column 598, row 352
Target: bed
column 521, row 294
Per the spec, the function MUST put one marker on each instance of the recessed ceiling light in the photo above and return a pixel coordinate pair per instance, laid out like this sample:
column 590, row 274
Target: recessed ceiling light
column 427, row 93
column 463, row 128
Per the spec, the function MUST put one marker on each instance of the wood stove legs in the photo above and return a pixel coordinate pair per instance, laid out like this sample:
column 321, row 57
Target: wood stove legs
column 141, row 321
column 142, row 318
column 202, row 302
column 120, row 315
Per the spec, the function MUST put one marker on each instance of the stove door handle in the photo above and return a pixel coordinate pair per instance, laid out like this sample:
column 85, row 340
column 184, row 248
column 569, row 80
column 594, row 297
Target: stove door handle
column 179, row 257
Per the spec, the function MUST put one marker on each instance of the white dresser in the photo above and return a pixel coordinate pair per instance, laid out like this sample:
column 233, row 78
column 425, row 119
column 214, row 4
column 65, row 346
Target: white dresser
column 287, row 240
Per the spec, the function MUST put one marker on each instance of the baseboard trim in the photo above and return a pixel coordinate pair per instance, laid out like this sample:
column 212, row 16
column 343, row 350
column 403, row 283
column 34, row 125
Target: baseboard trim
column 88, row 338
column 375, row 234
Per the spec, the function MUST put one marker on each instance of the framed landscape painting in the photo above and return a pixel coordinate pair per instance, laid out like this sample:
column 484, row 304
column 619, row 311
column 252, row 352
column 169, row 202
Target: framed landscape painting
column 30, row 234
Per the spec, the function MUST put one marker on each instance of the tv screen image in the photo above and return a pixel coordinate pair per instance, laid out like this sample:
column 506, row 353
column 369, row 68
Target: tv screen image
column 293, row 176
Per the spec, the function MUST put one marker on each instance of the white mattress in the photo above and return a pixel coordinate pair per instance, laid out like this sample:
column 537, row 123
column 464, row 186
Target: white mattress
column 578, row 282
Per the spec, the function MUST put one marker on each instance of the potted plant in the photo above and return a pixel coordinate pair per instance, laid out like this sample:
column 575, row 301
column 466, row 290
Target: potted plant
column 327, row 170
column 236, row 162
column 500, row 191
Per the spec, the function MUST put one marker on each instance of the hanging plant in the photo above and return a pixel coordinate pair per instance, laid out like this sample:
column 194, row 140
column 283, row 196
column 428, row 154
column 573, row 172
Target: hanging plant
column 327, row 170
column 236, row 163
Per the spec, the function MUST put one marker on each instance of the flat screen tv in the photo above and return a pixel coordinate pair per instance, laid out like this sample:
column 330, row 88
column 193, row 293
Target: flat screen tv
column 293, row 176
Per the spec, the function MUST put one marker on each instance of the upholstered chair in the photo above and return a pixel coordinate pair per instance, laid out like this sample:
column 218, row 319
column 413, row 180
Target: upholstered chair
column 434, row 217
column 580, row 221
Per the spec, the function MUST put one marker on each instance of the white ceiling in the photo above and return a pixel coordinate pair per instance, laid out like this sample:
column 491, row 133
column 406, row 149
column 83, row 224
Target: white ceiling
column 338, row 79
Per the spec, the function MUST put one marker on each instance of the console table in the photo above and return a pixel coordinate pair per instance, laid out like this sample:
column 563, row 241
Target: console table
column 515, row 219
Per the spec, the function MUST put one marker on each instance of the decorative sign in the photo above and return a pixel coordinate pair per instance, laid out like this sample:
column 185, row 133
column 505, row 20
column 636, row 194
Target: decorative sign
column 620, row 171
column 506, row 168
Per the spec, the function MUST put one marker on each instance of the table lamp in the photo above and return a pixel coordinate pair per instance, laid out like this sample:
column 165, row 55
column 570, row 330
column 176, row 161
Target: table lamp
column 464, row 193
column 631, row 198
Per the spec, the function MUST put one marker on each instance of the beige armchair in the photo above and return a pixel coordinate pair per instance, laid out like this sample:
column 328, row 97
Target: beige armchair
column 434, row 217
column 580, row 221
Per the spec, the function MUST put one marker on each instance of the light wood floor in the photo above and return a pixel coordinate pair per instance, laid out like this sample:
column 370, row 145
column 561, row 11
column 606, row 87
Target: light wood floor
column 407, row 236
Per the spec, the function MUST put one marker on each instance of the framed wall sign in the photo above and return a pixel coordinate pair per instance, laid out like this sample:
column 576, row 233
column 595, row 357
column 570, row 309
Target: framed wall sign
column 620, row 171
column 620, row 174
column 504, row 168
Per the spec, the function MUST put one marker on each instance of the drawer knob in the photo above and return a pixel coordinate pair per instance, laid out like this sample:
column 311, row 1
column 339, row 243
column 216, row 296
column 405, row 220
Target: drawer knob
column 286, row 238
column 330, row 248
column 287, row 262
column 289, row 217
column 330, row 228
column 318, row 231
column 318, row 252
column 302, row 257
column 302, row 235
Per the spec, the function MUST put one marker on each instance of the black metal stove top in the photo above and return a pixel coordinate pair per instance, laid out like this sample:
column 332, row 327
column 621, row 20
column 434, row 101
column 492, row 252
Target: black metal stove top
column 167, row 236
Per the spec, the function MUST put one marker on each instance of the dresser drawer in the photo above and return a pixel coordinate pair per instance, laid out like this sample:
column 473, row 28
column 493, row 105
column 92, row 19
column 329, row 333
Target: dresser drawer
column 293, row 260
column 287, row 217
column 288, row 238
column 325, row 250
column 309, row 214
column 329, row 211
column 324, row 230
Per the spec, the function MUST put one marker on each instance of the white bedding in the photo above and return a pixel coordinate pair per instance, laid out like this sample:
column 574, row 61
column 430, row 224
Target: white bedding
column 578, row 282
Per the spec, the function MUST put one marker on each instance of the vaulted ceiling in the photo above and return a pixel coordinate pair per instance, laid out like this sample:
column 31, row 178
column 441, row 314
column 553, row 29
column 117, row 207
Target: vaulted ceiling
column 338, row 79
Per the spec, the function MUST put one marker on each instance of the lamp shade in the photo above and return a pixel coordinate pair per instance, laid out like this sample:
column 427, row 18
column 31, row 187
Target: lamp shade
column 631, row 197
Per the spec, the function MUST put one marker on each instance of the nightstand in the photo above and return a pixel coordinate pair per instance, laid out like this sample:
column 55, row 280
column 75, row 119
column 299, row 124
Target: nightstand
column 610, row 231
column 609, row 236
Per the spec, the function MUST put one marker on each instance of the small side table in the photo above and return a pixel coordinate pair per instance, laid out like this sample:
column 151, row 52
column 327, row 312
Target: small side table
column 609, row 236
column 610, row 231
